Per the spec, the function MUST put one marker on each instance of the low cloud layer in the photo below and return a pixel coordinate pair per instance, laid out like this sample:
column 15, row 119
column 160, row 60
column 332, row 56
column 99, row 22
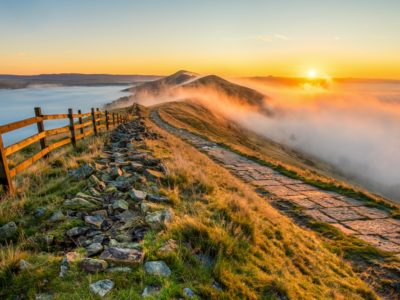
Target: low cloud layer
column 353, row 126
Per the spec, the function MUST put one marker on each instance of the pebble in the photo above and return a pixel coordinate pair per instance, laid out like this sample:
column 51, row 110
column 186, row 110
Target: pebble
column 188, row 292
column 151, row 290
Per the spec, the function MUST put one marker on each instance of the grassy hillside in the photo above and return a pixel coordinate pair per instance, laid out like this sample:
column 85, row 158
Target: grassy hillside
column 198, row 119
column 230, row 244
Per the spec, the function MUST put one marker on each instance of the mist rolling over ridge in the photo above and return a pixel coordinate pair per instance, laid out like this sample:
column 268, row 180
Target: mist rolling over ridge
column 354, row 126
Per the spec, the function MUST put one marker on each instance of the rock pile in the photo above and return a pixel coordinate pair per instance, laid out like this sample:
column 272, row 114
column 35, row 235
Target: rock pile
column 121, row 203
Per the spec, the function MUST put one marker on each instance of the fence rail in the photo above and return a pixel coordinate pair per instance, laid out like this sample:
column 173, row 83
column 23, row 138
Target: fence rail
column 80, row 126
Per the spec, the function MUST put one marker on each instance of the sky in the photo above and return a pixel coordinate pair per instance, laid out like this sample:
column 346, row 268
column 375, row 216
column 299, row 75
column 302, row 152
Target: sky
column 352, row 38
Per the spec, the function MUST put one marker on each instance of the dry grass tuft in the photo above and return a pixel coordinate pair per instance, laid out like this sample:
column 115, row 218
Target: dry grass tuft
column 256, row 252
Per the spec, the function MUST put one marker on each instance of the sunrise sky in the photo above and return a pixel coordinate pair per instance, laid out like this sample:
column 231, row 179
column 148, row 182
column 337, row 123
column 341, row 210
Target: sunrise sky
column 352, row 38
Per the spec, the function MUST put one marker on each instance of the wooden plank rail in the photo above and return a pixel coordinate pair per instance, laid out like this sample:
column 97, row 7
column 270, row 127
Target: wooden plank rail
column 56, row 131
column 19, row 124
column 90, row 123
column 83, row 125
column 55, row 117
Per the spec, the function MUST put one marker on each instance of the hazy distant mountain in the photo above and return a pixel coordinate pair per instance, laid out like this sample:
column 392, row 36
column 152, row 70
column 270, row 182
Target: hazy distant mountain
column 164, row 84
column 185, row 81
column 71, row 79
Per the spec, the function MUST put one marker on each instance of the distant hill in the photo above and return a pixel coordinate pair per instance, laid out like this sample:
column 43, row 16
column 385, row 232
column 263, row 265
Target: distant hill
column 71, row 79
column 185, row 81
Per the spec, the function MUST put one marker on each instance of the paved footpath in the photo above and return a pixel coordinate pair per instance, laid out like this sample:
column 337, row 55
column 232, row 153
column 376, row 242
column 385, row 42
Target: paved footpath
column 349, row 215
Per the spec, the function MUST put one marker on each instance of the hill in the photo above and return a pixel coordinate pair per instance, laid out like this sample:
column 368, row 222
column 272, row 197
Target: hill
column 184, row 84
column 147, row 214
column 71, row 79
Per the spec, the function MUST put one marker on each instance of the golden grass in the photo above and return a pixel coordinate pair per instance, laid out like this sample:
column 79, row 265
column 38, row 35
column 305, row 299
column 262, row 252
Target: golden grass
column 43, row 177
column 258, row 252
column 199, row 120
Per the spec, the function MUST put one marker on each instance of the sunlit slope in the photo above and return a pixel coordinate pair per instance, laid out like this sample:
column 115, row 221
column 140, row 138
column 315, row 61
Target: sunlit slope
column 184, row 84
column 200, row 120
column 259, row 253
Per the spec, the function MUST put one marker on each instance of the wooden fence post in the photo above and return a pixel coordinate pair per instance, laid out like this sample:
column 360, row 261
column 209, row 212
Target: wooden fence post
column 107, row 121
column 113, row 119
column 81, row 130
column 72, row 126
column 99, row 117
column 5, row 178
column 40, row 127
column 94, row 121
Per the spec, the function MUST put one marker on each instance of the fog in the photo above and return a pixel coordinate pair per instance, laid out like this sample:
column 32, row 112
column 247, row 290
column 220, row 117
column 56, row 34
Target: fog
column 353, row 126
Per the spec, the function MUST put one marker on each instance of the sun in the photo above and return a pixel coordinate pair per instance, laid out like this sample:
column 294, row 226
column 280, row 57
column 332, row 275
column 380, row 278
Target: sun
column 312, row 73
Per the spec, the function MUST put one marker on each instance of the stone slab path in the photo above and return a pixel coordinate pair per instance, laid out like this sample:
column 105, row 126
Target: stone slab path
column 349, row 215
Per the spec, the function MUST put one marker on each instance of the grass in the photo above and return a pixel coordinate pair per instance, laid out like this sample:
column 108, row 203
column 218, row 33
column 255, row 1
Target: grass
column 225, row 233
column 376, row 267
column 201, row 121
column 251, row 246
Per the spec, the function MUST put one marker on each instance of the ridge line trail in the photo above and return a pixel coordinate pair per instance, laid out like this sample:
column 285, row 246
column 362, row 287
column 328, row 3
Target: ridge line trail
column 350, row 216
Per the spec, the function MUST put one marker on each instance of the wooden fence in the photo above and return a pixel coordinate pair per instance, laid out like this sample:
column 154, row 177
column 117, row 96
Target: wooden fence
column 80, row 126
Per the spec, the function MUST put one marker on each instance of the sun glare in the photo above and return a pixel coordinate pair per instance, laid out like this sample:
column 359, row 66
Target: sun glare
column 312, row 73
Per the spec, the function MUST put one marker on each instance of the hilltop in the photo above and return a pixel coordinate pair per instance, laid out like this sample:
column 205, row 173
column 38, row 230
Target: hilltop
column 184, row 84
column 141, row 213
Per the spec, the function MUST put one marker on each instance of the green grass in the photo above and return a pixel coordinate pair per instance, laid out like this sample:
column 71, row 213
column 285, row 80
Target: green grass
column 224, row 232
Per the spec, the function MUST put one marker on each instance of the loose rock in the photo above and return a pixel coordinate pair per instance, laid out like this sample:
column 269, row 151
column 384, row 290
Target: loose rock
column 23, row 264
column 94, row 221
column 81, row 173
column 158, row 268
column 122, row 256
column 92, row 265
column 8, row 231
column 79, row 204
column 94, row 249
column 151, row 290
column 137, row 195
column 158, row 219
column 57, row 216
column 120, row 205
column 188, row 292
column 102, row 287
column 75, row 231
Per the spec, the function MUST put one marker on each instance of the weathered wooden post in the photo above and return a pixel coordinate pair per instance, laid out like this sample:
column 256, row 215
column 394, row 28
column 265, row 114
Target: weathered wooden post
column 98, row 118
column 72, row 126
column 113, row 119
column 81, row 130
column 5, row 178
column 94, row 121
column 107, row 121
column 40, row 127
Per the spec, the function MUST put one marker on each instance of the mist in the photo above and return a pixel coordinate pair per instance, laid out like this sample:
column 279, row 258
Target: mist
column 353, row 126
